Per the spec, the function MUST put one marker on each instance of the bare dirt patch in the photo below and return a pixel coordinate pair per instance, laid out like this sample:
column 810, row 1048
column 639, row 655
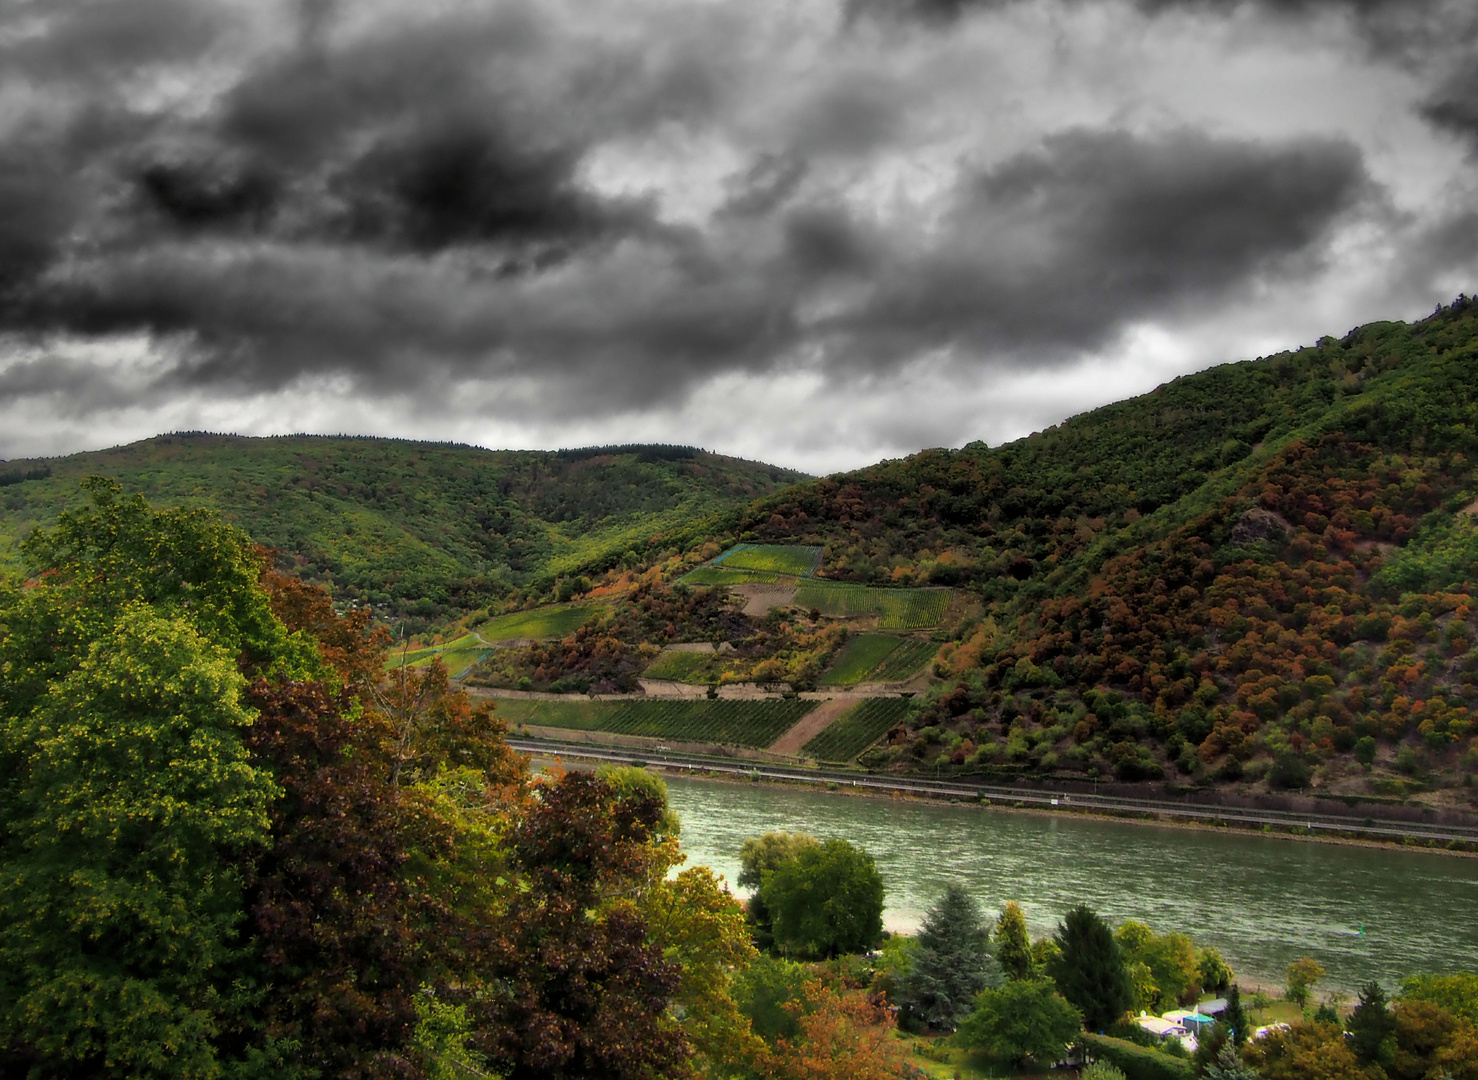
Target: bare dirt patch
column 690, row 646
column 812, row 724
column 1471, row 508
column 1385, row 547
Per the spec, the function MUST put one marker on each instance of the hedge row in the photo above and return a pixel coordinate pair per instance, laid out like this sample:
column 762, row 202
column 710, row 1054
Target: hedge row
column 1138, row 1062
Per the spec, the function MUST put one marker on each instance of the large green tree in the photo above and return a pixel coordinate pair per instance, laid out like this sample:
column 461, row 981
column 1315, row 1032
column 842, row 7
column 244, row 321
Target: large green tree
column 951, row 964
column 119, row 903
column 826, row 900
column 1024, row 1018
column 758, row 855
column 1089, row 968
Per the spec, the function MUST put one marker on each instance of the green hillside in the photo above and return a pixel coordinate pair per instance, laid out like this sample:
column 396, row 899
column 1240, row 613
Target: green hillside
column 419, row 529
column 1263, row 572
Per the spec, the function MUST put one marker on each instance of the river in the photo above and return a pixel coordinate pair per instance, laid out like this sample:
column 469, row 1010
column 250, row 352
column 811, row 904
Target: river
column 1362, row 912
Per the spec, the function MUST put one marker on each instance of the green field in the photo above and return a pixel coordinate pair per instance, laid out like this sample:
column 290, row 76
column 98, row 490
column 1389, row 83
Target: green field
column 857, row 729
column 896, row 609
column 545, row 622
column 577, row 713
column 457, row 655
column 737, row 723
column 859, row 657
column 688, row 667
column 794, row 560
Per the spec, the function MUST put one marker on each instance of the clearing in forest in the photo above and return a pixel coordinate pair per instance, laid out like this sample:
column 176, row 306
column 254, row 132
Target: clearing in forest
column 896, row 609
column 545, row 622
column 458, row 655
column 757, row 564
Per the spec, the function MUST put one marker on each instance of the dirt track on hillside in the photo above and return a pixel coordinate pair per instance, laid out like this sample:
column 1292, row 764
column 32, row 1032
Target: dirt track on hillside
column 809, row 726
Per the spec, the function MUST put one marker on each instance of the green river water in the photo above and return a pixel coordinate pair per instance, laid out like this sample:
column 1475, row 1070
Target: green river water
column 1262, row 901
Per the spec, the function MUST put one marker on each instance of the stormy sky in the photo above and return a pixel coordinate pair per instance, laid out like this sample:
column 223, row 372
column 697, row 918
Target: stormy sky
column 813, row 232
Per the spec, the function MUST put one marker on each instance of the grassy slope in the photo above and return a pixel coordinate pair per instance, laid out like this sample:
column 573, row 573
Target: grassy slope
column 426, row 529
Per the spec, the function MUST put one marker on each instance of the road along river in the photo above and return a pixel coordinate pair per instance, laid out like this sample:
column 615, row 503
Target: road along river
column 1363, row 912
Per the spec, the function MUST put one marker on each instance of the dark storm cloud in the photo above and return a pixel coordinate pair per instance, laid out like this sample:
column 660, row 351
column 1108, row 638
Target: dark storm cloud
column 410, row 207
column 1454, row 106
column 1059, row 248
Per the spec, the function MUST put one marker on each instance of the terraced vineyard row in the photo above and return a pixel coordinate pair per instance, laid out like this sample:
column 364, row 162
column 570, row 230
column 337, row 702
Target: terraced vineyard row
column 896, row 609
column 857, row 729
column 862, row 654
column 903, row 661
column 724, row 721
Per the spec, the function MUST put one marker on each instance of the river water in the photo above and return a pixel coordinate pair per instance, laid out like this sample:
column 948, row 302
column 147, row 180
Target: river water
column 1362, row 912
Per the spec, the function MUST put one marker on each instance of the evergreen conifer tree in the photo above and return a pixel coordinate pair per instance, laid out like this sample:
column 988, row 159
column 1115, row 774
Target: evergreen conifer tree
column 1089, row 968
column 951, row 964
column 1372, row 1027
column 1235, row 1017
column 1013, row 946
column 1228, row 1066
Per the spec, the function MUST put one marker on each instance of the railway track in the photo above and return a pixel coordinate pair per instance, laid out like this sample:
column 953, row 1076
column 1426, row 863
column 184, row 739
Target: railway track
column 1329, row 824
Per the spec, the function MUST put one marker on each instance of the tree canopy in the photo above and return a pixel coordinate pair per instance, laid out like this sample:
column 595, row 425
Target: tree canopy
column 1089, row 968
column 825, row 900
column 951, row 964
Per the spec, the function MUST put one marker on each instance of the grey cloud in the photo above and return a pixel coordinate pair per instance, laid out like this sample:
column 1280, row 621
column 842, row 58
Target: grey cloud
column 1454, row 105
column 406, row 208
column 1059, row 248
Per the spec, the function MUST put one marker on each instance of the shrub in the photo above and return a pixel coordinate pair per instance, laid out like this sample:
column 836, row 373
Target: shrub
column 1137, row 1062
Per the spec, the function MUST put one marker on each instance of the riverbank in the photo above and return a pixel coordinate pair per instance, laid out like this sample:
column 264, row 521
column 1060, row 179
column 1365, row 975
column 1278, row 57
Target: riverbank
column 1189, row 818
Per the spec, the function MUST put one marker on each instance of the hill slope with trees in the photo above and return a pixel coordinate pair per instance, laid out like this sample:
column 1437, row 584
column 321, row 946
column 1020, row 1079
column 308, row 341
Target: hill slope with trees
column 1263, row 571
column 417, row 529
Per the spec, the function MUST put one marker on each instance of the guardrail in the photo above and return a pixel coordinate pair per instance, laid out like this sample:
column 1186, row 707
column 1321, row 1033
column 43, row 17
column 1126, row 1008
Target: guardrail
column 1035, row 797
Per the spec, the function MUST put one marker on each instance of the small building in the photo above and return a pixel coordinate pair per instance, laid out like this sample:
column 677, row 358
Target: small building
column 1164, row 1029
column 1193, row 1020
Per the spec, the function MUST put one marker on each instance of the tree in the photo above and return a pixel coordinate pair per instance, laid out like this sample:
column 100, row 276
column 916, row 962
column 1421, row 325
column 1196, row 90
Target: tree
column 759, row 855
column 1457, row 992
column 1228, row 1066
column 1212, row 970
column 1013, row 946
column 1303, row 975
column 1024, row 1018
column 826, row 900
column 951, row 964
column 840, row 1035
column 1238, row 1023
column 764, row 989
column 1372, row 1028
column 129, row 791
column 1307, row 1052
column 1169, row 962
column 1089, row 968
column 1422, row 1029
column 573, row 987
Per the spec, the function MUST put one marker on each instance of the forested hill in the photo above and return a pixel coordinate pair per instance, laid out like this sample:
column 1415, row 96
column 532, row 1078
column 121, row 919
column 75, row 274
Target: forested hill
column 1272, row 561
column 424, row 529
